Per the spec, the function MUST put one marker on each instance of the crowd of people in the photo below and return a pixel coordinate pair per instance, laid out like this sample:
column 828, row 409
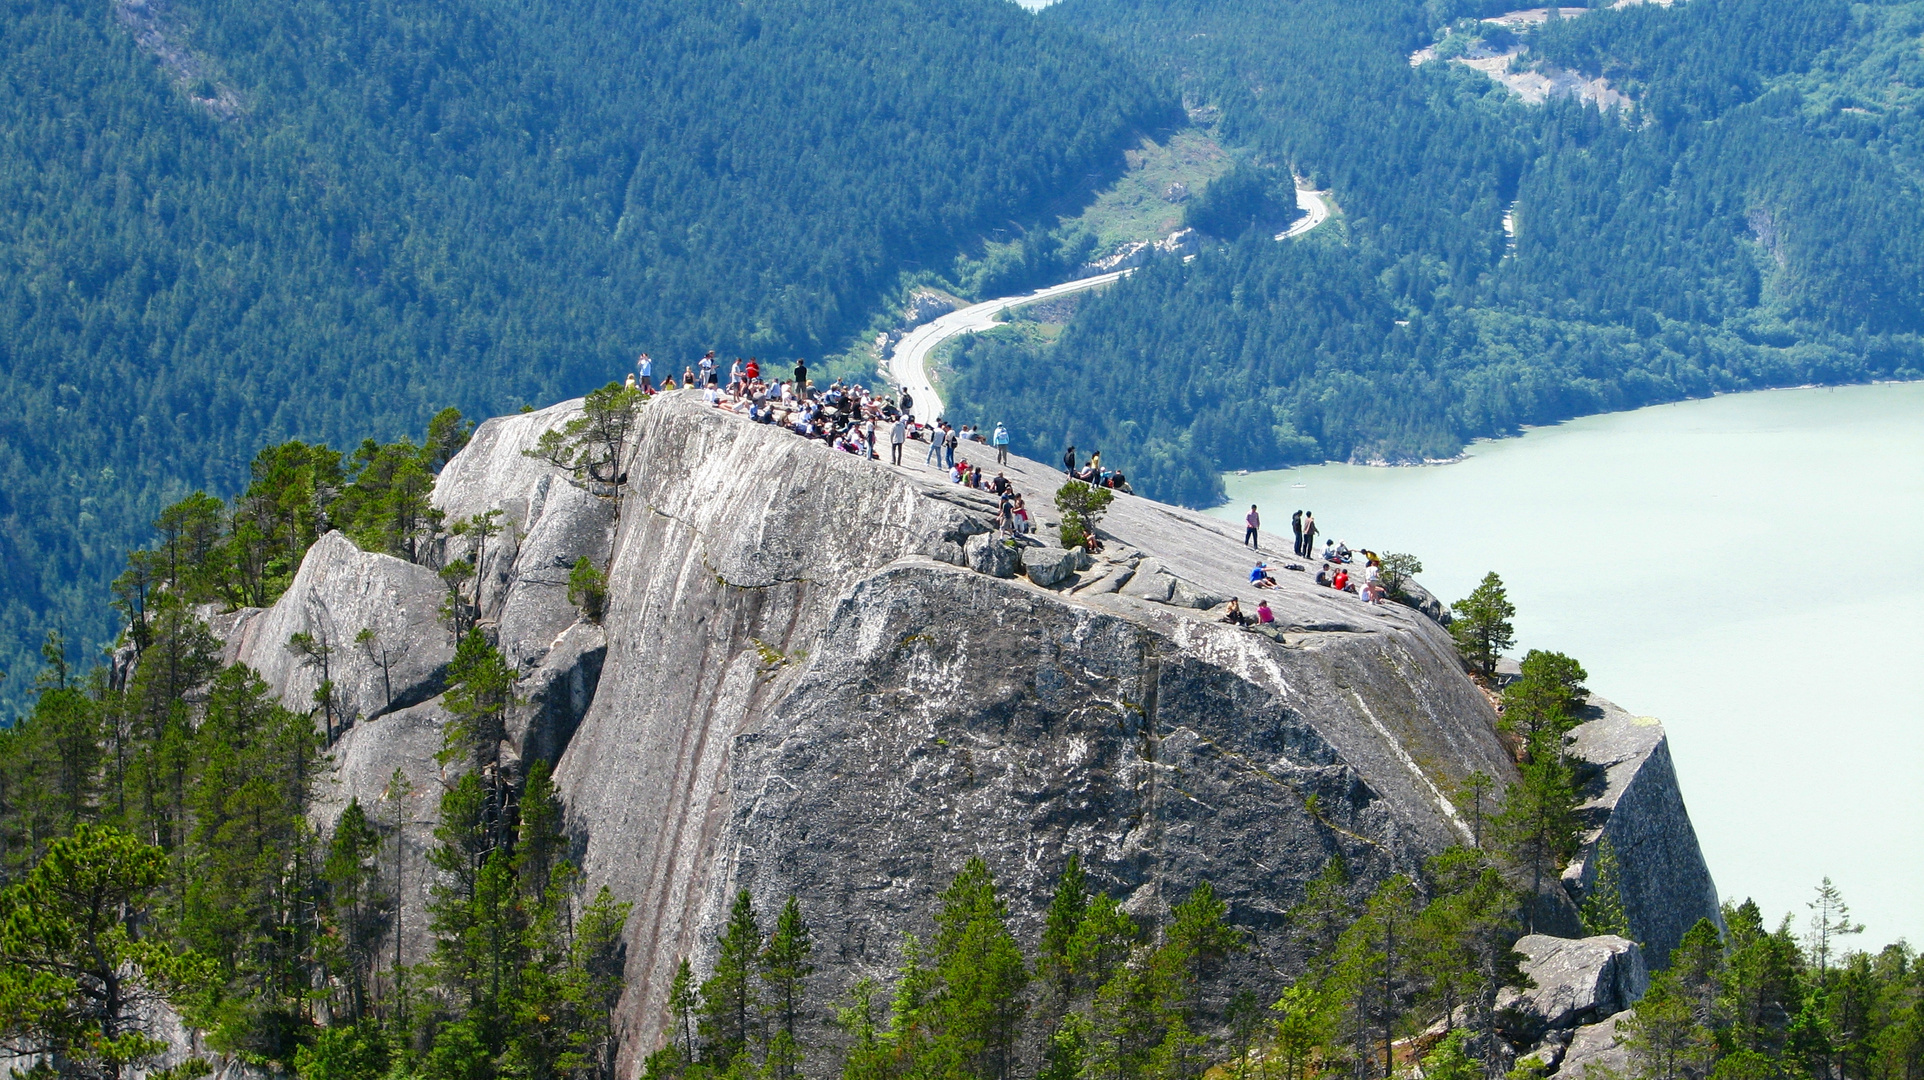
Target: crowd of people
column 1337, row 558
column 849, row 417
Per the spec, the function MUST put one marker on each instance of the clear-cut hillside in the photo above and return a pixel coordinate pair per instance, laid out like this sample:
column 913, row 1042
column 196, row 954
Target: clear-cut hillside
column 818, row 675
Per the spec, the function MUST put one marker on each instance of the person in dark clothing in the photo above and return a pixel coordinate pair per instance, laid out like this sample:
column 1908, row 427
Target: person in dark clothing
column 1069, row 460
column 949, row 444
column 801, row 379
column 908, row 402
column 1309, row 535
column 1296, row 528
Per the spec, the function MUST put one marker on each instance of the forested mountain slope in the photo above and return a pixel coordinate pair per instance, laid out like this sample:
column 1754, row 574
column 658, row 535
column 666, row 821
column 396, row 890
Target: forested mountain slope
column 1754, row 221
column 324, row 218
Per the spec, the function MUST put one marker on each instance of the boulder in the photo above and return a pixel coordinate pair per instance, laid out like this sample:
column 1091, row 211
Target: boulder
column 1048, row 566
column 1151, row 582
column 1187, row 594
column 1180, row 242
column 1578, row 981
column 989, row 554
column 1547, row 1054
column 338, row 592
column 924, row 306
column 1596, row 1051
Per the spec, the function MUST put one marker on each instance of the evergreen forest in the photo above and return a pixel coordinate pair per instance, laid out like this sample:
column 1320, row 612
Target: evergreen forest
column 225, row 223
column 1753, row 219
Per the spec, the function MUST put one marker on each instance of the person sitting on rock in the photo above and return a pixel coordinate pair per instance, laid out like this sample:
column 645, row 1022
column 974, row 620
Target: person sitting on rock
column 1260, row 578
column 1341, row 581
column 1342, row 552
column 1234, row 616
column 1264, row 616
column 1021, row 517
column 1373, row 590
column 1323, row 576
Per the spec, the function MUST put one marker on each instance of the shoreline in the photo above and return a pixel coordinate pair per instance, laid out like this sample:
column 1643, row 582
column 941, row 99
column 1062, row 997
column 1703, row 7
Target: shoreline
column 1469, row 448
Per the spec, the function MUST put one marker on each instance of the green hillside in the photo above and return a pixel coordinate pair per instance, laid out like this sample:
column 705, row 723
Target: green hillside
column 325, row 218
column 1754, row 221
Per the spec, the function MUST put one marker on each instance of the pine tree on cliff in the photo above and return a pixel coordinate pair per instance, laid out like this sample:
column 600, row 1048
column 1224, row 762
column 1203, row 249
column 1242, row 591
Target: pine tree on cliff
column 1544, row 698
column 979, row 1007
column 357, row 906
column 784, row 968
column 1374, row 974
column 1481, row 625
column 1538, row 825
column 1059, row 927
column 729, row 1000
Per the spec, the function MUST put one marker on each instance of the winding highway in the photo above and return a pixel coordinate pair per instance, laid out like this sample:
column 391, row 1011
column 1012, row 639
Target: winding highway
column 908, row 365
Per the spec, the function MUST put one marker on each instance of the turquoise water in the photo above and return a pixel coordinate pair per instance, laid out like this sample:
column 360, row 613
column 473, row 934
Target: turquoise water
column 1749, row 568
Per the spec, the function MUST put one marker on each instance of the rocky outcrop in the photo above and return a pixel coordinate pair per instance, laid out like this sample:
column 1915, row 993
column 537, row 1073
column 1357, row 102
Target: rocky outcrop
column 818, row 681
column 1636, row 801
column 1182, row 242
column 1596, row 1051
column 339, row 592
column 388, row 765
column 827, row 676
column 1575, row 982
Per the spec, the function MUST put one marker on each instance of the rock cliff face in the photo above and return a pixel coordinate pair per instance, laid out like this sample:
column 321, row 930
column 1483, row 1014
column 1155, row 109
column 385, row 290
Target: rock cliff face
column 1638, row 805
column 818, row 675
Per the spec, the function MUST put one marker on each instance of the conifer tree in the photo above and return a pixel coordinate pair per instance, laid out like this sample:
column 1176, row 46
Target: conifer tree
column 729, row 996
column 1101, row 943
column 357, row 905
column 1603, row 905
column 982, row 998
column 1480, row 623
column 1538, row 825
column 1373, row 972
column 1830, row 919
column 1059, row 926
column 78, row 978
column 785, row 967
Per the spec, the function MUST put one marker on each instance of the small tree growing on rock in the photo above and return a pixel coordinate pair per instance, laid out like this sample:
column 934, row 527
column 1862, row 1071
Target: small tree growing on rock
column 588, row 589
column 1081, row 504
column 1603, row 908
column 1482, row 625
column 592, row 445
column 1399, row 568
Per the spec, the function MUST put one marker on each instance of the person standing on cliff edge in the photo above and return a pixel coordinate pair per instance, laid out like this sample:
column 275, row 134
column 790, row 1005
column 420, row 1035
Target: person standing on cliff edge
column 1001, row 441
column 645, row 367
column 801, row 380
column 1296, row 529
column 1254, row 523
column 1069, row 460
column 897, row 436
column 1309, row 534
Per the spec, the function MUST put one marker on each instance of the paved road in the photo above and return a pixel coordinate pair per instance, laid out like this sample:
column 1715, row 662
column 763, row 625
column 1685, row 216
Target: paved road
column 908, row 365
